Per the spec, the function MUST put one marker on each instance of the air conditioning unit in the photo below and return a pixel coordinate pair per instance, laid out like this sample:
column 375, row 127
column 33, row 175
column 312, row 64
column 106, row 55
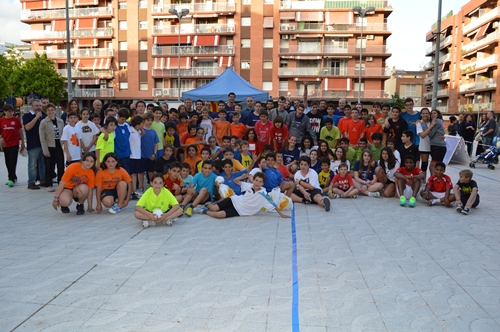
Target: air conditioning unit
column 103, row 82
column 495, row 25
column 369, row 58
column 284, row 37
column 165, row 92
column 103, row 86
column 230, row 29
column 370, row 37
column 284, row 27
column 291, row 27
column 293, row 37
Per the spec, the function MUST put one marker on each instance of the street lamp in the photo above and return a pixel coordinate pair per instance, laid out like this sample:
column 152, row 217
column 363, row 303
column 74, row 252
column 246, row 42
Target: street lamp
column 362, row 14
column 179, row 15
column 478, row 98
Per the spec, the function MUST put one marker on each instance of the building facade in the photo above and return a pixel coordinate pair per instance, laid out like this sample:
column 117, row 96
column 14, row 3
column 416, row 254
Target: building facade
column 408, row 84
column 129, row 49
column 468, row 59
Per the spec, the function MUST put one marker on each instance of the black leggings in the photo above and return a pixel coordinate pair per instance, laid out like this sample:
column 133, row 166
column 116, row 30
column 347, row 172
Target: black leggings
column 56, row 159
column 227, row 206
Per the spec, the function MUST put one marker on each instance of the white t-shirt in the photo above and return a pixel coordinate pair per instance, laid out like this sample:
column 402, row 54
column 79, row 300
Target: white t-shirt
column 251, row 202
column 425, row 143
column 135, row 143
column 390, row 172
column 311, row 177
column 88, row 130
column 334, row 165
column 72, row 137
column 397, row 155
column 207, row 126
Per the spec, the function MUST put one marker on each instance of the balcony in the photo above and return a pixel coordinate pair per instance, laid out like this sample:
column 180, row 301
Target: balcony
column 480, row 107
column 331, row 49
column 86, row 73
column 442, row 44
column 320, row 27
column 445, row 58
column 340, row 71
column 51, row 14
column 492, row 60
column 332, row 4
column 31, row 35
column 494, row 36
column 75, row 53
column 481, row 85
column 440, row 93
column 429, row 65
column 192, row 72
column 474, row 24
column 444, row 76
column 93, row 93
column 217, row 7
column 170, row 92
column 194, row 29
column 442, row 109
column 334, row 94
column 193, row 50
column 428, row 80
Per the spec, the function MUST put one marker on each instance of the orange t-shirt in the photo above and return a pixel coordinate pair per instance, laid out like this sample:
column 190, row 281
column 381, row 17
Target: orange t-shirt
column 169, row 183
column 377, row 128
column 238, row 130
column 192, row 164
column 75, row 175
column 354, row 130
column 182, row 128
column 108, row 181
column 194, row 140
column 378, row 116
column 343, row 123
column 222, row 128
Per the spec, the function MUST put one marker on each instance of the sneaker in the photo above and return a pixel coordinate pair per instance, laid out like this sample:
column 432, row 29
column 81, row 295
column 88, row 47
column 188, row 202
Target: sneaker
column 337, row 196
column 465, row 210
column 80, row 209
column 169, row 222
column 148, row 223
column 412, row 202
column 430, row 202
column 326, row 204
column 50, row 189
column 54, row 180
column 134, row 197
column 9, row 183
column 188, row 210
column 459, row 208
column 355, row 196
column 199, row 210
column 64, row 209
column 402, row 201
column 33, row 187
column 374, row 194
column 139, row 192
column 114, row 209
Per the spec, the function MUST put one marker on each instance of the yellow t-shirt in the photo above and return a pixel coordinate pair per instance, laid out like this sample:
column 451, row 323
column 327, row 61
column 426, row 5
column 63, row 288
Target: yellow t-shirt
column 246, row 160
column 105, row 147
column 322, row 177
column 164, row 201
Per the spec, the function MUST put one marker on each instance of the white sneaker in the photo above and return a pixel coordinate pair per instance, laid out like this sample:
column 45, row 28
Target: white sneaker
column 148, row 223
column 114, row 209
column 374, row 194
column 168, row 222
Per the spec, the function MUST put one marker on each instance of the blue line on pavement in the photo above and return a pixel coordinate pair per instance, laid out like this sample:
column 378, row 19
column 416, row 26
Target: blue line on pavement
column 295, row 278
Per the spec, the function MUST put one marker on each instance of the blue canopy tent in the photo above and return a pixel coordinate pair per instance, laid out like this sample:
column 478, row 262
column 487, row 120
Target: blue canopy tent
column 227, row 82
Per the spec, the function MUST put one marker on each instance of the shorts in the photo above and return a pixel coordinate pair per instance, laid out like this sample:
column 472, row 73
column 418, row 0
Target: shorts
column 135, row 165
column 147, row 165
column 438, row 153
column 227, row 206
column 125, row 163
column 109, row 192
column 388, row 182
column 313, row 193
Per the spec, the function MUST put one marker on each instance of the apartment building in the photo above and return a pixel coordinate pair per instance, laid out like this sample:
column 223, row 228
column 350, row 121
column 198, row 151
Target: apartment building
column 126, row 50
column 468, row 59
column 408, row 84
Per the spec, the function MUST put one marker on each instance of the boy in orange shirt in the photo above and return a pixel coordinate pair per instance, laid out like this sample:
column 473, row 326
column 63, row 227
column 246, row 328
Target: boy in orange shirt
column 237, row 129
column 221, row 127
column 355, row 128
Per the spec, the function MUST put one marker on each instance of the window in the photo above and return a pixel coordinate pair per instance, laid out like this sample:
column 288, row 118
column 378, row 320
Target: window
column 360, row 21
column 360, row 42
column 268, row 65
column 283, row 85
column 268, row 43
column 267, row 86
column 356, row 87
column 410, row 90
column 246, row 21
column 268, row 2
column 123, row 65
column 245, row 64
column 143, row 86
column 338, row 67
column 143, row 25
column 122, row 46
column 202, row 82
column 143, row 44
column 310, row 46
column 246, row 2
column 123, row 85
column 122, row 5
column 143, row 65
column 122, row 25
column 356, row 66
column 245, row 43
column 143, row 4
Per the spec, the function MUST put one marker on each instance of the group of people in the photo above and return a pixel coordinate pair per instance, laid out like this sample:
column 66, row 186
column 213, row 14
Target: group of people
column 313, row 152
column 466, row 127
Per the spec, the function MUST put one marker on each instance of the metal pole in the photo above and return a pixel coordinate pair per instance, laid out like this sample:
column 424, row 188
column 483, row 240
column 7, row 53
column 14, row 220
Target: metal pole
column 436, row 58
column 179, row 60
column 362, row 14
column 68, row 54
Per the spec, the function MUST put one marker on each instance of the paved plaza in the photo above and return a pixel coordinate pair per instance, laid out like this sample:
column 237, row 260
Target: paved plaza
column 367, row 265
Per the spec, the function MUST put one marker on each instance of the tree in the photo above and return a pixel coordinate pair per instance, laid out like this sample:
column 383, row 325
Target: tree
column 397, row 100
column 39, row 76
column 5, row 73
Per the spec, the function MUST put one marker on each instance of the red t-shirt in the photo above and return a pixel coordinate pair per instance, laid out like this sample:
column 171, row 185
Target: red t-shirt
column 354, row 130
column 169, row 183
column 344, row 182
column 439, row 186
column 263, row 131
column 343, row 122
column 280, row 135
column 9, row 128
column 405, row 172
column 285, row 173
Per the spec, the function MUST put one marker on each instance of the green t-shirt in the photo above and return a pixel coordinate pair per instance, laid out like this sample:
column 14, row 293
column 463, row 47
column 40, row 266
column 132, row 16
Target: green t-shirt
column 351, row 156
column 331, row 136
column 164, row 201
column 376, row 151
column 105, row 147
column 159, row 127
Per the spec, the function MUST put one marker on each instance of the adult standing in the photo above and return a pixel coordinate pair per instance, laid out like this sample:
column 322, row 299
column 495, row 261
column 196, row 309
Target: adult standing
column 280, row 111
column 231, row 97
column 45, row 102
column 299, row 125
column 248, row 110
column 11, row 132
column 189, row 105
column 340, row 110
column 50, row 131
column 322, row 107
column 469, row 131
column 73, row 106
column 490, row 129
column 97, row 108
column 436, row 138
column 411, row 117
column 36, row 164
column 425, row 144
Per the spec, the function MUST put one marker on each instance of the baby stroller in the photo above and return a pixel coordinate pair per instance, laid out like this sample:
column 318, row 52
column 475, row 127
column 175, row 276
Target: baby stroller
column 490, row 156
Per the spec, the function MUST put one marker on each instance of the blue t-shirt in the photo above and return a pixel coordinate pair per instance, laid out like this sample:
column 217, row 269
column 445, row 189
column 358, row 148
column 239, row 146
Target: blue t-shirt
column 273, row 178
column 336, row 119
column 252, row 119
column 290, row 156
column 237, row 155
column 363, row 172
column 317, row 166
column 122, row 143
column 411, row 120
column 230, row 181
column 339, row 112
column 202, row 181
column 148, row 142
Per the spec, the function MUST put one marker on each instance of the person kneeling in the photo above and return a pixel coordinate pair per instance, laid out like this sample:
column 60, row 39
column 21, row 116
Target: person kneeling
column 112, row 183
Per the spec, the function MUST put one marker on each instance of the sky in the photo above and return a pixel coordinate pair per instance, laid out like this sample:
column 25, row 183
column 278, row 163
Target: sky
column 409, row 22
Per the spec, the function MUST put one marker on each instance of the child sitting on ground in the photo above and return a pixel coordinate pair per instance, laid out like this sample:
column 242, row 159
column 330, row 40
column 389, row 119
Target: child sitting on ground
column 408, row 179
column 307, row 188
column 342, row 185
column 202, row 188
column 466, row 192
column 325, row 175
column 438, row 187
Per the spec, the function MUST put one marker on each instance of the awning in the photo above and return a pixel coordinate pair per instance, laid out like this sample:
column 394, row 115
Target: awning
column 287, row 15
column 308, row 36
column 159, row 63
column 85, row 64
column 33, row 5
column 103, row 64
column 308, row 57
column 469, row 94
column 206, row 40
column 482, row 31
column 87, row 82
column 268, row 22
column 173, row 63
column 85, row 23
column 87, row 2
column 338, row 18
column 309, row 16
column 225, row 61
column 60, row 25
column 85, row 42
column 55, row 4
column 336, row 84
column 171, row 40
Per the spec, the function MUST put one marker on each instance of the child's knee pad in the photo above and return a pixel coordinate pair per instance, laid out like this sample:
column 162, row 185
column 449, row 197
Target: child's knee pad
column 425, row 164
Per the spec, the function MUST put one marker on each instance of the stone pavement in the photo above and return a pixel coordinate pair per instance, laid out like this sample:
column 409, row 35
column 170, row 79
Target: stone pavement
column 368, row 265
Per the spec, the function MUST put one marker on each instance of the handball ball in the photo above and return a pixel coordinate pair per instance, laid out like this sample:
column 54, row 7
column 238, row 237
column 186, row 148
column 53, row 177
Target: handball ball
column 219, row 180
column 158, row 212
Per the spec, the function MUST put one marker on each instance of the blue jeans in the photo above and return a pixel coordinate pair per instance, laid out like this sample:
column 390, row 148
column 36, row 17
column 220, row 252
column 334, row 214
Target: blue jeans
column 487, row 141
column 36, row 165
